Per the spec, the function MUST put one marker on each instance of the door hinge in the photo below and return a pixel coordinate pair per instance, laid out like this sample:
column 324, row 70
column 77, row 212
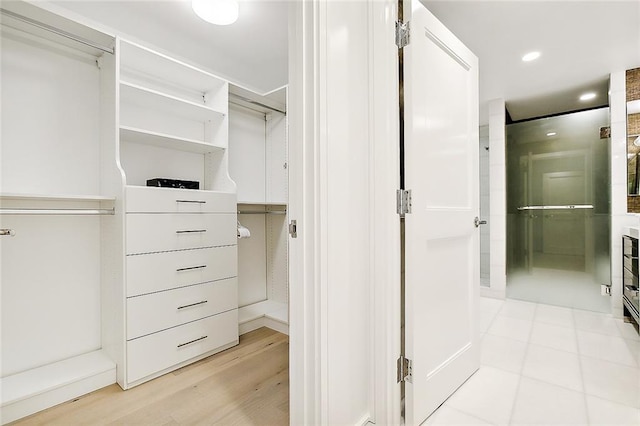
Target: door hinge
column 403, row 201
column 605, row 289
column 403, row 34
column 293, row 229
column 405, row 369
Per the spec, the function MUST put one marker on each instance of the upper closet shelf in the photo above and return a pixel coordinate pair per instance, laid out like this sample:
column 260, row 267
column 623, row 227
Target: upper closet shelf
column 146, row 137
column 152, row 99
column 53, row 197
column 139, row 59
column 44, row 25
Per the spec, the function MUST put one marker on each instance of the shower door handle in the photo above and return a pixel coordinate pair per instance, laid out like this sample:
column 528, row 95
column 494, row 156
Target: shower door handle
column 477, row 222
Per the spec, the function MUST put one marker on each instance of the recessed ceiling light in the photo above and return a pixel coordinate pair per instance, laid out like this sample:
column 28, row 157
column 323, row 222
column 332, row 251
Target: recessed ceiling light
column 587, row 96
column 218, row 12
column 551, row 134
column 531, row 56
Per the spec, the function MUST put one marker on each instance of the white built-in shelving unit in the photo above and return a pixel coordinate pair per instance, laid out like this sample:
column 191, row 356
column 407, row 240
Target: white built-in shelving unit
column 105, row 279
column 55, row 208
column 178, row 298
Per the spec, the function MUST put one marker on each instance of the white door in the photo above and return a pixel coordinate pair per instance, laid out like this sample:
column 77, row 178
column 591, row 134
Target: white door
column 442, row 243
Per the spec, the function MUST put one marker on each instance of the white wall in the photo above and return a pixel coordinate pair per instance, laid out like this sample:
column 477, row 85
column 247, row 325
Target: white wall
column 247, row 153
column 498, row 201
column 346, row 213
column 331, row 112
column 50, row 271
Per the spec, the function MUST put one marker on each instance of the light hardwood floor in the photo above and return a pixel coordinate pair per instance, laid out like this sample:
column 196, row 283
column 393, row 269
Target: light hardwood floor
column 244, row 385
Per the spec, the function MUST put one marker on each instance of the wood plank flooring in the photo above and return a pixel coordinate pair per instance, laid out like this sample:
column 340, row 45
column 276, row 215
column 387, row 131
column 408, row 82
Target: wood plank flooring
column 245, row 385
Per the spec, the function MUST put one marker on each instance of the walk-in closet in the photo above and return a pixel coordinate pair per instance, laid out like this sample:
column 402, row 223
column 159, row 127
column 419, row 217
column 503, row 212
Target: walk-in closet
column 143, row 213
column 258, row 165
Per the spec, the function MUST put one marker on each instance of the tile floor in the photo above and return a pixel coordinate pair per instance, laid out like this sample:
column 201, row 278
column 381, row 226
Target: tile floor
column 547, row 365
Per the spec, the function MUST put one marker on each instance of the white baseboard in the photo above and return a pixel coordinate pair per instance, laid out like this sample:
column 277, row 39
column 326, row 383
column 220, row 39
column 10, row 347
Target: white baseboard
column 267, row 313
column 492, row 293
column 34, row 390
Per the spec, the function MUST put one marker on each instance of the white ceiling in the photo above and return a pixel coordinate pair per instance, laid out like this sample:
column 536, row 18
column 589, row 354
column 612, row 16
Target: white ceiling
column 251, row 52
column 581, row 43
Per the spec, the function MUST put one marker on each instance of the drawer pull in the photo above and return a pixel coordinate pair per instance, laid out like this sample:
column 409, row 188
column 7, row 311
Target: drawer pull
column 191, row 201
column 190, row 268
column 194, row 231
column 192, row 341
column 202, row 302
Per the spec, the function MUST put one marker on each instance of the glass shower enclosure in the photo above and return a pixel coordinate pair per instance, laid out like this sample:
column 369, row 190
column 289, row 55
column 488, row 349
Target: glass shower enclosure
column 558, row 210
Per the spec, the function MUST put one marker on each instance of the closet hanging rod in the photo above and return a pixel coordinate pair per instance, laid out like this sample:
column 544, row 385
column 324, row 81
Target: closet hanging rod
column 65, row 212
column 57, row 31
column 271, row 212
column 242, row 98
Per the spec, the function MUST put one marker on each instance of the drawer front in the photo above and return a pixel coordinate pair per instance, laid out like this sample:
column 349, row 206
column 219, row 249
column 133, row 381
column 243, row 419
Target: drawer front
column 140, row 199
column 156, row 352
column 159, row 311
column 149, row 233
column 149, row 273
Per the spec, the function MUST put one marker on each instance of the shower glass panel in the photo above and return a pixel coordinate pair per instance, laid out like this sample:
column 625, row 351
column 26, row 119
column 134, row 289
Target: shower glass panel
column 558, row 210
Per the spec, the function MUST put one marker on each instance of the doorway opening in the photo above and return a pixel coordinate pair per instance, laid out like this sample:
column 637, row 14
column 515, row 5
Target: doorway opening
column 558, row 210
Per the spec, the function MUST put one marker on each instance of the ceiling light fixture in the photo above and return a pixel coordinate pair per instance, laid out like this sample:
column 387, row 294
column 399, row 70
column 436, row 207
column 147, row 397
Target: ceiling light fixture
column 531, row 56
column 551, row 134
column 218, row 12
column 587, row 96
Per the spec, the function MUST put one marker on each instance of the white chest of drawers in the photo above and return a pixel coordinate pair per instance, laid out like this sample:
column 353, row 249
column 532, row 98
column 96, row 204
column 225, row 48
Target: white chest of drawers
column 181, row 278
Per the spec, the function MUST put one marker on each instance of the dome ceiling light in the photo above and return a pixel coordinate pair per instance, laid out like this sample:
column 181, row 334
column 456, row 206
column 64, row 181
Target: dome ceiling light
column 218, row 12
column 531, row 56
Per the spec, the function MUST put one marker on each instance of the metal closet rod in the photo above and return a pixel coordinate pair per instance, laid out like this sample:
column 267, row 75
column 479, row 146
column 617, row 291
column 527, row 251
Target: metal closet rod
column 251, row 101
column 57, row 31
column 271, row 212
column 63, row 212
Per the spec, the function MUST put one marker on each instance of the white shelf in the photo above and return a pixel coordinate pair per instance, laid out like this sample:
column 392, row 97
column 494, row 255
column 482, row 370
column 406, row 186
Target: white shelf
column 261, row 203
column 31, row 21
column 53, row 197
column 139, row 59
column 147, row 137
column 43, row 387
column 191, row 191
column 154, row 100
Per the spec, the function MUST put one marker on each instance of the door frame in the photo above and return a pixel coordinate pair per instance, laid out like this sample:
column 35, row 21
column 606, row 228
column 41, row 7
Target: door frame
column 307, row 326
